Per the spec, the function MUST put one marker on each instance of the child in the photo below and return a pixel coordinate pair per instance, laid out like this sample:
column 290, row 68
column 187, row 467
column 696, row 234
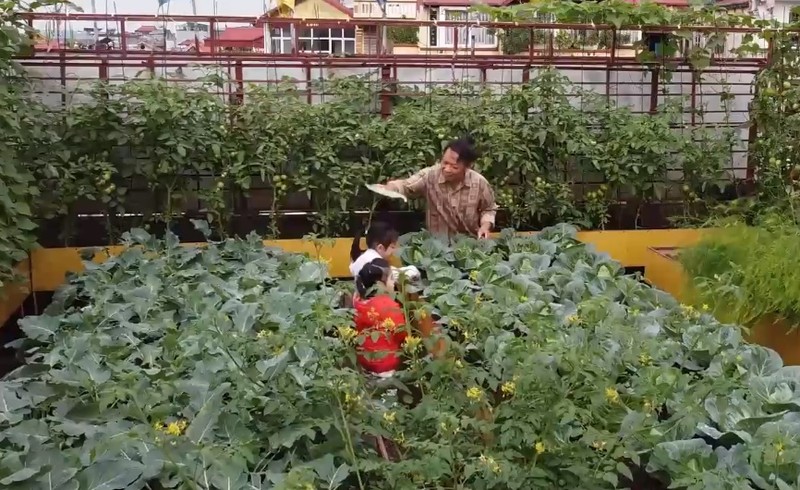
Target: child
column 381, row 244
column 377, row 312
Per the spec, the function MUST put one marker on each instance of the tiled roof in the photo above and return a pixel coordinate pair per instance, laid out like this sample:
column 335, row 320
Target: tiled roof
column 241, row 34
column 146, row 29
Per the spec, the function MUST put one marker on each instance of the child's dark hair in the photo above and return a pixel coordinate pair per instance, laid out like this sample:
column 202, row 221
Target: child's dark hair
column 379, row 233
column 371, row 274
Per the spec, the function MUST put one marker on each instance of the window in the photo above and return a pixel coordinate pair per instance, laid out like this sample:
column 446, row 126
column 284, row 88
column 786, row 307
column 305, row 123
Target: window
column 315, row 40
column 468, row 36
column 281, row 40
column 365, row 9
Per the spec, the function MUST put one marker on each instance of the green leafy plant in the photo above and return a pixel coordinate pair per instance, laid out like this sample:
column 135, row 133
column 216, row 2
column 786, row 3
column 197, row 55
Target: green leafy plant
column 742, row 269
column 403, row 35
column 231, row 365
column 25, row 137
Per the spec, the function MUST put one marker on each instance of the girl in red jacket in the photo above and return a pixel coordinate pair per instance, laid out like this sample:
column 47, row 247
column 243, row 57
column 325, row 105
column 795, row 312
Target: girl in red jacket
column 377, row 312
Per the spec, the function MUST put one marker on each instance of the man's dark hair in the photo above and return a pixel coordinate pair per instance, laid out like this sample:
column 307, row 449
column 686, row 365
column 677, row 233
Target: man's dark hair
column 465, row 148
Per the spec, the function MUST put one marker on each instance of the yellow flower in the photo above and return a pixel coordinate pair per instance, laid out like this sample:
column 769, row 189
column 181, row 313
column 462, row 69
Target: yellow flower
column 389, row 324
column 648, row 405
column 523, row 299
column 389, row 417
column 689, row 311
column 351, row 399
column 473, row 276
column 645, row 359
column 573, row 319
column 422, row 314
column 401, row 438
column 176, row 428
column 468, row 335
column 347, row 334
column 263, row 334
column 412, row 343
column 705, row 307
column 539, row 447
column 612, row 395
column 508, row 388
column 459, row 364
column 490, row 463
column 778, row 448
column 599, row 445
column 474, row 393
column 478, row 299
column 634, row 311
column 158, row 425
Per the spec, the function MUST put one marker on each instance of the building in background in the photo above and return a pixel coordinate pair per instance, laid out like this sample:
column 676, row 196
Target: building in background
column 321, row 40
column 238, row 39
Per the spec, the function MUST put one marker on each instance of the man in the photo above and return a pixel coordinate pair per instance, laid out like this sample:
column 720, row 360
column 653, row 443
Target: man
column 459, row 199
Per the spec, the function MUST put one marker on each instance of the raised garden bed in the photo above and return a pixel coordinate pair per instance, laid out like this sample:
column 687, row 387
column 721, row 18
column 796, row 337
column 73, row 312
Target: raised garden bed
column 230, row 366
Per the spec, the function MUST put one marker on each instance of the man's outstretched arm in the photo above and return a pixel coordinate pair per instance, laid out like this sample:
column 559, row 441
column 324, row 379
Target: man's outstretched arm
column 413, row 186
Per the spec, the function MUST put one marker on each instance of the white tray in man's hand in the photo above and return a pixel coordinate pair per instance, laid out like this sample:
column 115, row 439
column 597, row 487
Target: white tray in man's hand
column 383, row 191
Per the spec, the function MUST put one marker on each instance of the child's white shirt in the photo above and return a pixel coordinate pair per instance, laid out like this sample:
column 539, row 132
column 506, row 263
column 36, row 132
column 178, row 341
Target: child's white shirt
column 365, row 258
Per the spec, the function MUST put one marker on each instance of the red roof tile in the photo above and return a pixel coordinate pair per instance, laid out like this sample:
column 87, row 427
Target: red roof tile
column 466, row 3
column 146, row 29
column 241, row 34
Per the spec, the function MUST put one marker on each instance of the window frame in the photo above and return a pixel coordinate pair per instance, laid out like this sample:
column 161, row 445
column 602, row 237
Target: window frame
column 467, row 32
column 325, row 35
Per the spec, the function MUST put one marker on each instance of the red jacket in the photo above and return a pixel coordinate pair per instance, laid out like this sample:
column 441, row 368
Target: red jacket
column 380, row 314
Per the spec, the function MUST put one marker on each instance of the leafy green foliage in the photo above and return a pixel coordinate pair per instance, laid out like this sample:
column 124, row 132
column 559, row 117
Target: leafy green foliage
column 744, row 268
column 403, row 35
column 231, row 366
column 620, row 14
column 187, row 144
column 23, row 139
column 744, row 272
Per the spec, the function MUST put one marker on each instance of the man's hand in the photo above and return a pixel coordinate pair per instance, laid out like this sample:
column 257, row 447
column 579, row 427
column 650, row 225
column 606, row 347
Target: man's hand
column 483, row 233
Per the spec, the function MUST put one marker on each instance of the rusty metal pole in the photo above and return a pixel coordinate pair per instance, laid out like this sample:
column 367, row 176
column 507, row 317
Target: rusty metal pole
column 386, row 95
column 612, row 59
column 655, row 73
column 309, row 90
column 693, row 100
column 238, row 73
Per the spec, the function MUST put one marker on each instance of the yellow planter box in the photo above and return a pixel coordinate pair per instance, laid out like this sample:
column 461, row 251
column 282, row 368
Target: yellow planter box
column 633, row 248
